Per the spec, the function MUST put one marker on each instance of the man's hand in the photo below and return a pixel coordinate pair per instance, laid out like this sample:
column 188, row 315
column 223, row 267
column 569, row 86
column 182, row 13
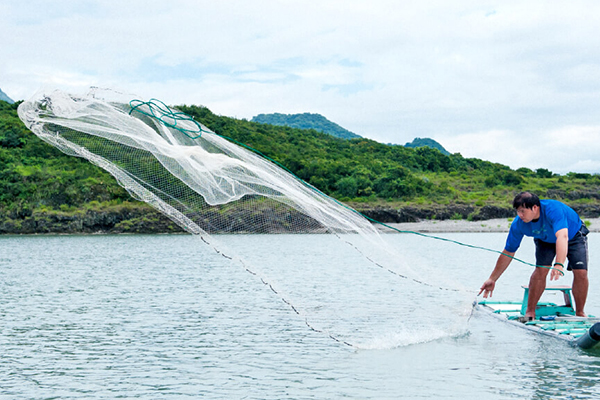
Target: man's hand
column 487, row 288
column 562, row 248
column 556, row 272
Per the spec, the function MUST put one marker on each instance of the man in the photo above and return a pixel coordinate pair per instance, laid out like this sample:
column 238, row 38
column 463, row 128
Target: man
column 558, row 234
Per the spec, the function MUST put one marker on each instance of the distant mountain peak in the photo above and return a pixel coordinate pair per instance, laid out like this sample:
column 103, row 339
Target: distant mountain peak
column 5, row 98
column 421, row 142
column 306, row 121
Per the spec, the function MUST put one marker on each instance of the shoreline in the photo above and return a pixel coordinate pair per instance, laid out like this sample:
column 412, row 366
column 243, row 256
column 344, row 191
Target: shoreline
column 449, row 226
column 422, row 226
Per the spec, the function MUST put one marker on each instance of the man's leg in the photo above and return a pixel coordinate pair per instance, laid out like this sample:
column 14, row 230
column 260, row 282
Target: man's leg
column 580, row 290
column 537, row 285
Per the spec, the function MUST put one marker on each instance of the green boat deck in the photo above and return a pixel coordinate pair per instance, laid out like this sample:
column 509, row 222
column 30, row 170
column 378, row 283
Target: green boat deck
column 551, row 317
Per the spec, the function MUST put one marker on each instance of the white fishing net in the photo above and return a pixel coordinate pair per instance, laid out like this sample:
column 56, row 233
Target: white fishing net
column 209, row 185
column 184, row 169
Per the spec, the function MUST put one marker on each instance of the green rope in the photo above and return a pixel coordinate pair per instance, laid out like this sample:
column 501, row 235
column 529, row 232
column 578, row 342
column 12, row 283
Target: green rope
column 166, row 112
column 371, row 219
column 167, row 116
column 458, row 243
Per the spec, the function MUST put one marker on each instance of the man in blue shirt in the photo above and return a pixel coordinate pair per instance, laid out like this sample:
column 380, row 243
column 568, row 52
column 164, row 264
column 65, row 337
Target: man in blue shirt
column 559, row 234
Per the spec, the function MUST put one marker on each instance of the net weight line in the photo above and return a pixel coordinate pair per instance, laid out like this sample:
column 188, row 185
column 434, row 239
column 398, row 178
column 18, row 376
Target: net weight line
column 167, row 116
column 279, row 293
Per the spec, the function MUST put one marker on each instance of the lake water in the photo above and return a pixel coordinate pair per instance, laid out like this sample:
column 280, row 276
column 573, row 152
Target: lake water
column 167, row 317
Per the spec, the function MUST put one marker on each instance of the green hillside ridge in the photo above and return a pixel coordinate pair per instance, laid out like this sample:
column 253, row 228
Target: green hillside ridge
column 322, row 124
column 44, row 190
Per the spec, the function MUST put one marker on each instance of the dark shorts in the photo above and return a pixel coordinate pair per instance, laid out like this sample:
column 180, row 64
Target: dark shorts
column 577, row 253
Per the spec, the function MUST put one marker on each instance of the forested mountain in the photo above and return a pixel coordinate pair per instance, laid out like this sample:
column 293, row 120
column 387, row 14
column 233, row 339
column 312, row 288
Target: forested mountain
column 41, row 187
column 420, row 142
column 306, row 121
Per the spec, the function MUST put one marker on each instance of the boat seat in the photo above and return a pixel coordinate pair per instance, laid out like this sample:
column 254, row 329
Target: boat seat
column 549, row 308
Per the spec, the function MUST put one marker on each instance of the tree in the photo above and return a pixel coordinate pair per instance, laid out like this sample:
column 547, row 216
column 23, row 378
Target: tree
column 347, row 187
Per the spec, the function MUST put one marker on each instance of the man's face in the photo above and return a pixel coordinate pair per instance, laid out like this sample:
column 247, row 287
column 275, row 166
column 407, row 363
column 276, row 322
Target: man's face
column 528, row 214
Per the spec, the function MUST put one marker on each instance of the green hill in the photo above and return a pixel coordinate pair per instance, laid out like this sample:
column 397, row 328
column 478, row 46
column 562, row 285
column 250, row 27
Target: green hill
column 420, row 142
column 306, row 121
column 44, row 190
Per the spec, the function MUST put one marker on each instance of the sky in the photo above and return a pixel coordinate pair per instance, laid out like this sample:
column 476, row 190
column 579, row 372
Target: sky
column 513, row 82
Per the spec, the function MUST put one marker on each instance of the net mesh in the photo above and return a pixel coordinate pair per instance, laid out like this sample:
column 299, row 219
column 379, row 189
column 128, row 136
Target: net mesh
column 209, row 185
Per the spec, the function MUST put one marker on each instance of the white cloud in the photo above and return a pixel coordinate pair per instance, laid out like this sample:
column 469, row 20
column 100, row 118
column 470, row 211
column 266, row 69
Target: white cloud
column 516, row 73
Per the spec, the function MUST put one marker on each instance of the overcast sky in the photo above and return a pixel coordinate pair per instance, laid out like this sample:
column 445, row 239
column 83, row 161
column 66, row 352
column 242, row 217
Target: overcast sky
column 514, row 82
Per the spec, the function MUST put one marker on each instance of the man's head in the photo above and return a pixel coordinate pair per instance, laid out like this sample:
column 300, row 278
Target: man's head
column 527, row 206
column 527, row 200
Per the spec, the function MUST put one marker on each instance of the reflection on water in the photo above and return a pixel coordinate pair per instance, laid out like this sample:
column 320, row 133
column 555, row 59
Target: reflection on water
column 164, row 317
column 557, row 373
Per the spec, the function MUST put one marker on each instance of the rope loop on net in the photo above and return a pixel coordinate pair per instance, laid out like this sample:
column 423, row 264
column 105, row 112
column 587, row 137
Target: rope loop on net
column 167, row 116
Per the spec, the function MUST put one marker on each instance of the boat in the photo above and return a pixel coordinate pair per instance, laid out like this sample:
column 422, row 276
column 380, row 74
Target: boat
column 552, row 318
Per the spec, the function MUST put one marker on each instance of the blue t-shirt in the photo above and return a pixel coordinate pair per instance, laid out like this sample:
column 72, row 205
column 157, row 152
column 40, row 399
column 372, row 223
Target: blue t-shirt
column 554, row 216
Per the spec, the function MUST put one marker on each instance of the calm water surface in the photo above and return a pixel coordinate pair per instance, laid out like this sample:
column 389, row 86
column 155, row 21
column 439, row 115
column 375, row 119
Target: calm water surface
column 153, row 317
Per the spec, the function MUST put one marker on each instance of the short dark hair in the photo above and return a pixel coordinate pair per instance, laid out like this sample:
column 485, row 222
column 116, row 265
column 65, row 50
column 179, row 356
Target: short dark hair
column 527, row 200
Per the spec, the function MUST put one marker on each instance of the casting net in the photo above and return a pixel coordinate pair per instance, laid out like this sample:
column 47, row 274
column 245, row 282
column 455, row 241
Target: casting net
column 209, row 185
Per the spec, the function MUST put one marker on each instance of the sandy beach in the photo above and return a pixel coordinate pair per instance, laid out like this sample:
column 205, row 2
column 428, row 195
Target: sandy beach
column 491, row 225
